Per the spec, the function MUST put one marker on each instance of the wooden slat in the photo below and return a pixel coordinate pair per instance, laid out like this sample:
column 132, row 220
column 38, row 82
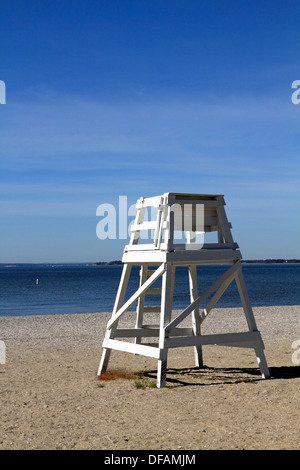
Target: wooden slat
column 154, row 291
column 140, row 213
column 165, row 316
column 205, row 202
column 118, row 302
column 218, row 256
column 159, row 223
column 141, row 300
column 193, row 283
column 216, row 297
column 160, row 270
column 150, row 332
column 204, row 295
column 208, row 197
column 223, row 222
column 152, row 309
column 144, row 226
column 146, row 256
column 187, row 246
column 181, row 257
column 137, row 332
column 205, row 246
column 141, row 247
column 132, row 348
column 219, row 339
column 149, row 202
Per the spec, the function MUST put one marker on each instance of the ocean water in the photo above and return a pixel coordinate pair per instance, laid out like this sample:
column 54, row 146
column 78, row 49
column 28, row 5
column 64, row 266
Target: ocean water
column 81, row 288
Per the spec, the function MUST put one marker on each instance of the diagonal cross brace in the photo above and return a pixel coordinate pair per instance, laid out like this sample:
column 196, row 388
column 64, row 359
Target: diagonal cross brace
column 159, row 271
column 224, row 277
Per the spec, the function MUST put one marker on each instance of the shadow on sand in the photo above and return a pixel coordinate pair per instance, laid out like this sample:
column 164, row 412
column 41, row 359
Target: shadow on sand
column 208, row 376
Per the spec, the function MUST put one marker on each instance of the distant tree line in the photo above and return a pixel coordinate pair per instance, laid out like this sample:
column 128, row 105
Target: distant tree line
column 267, row 261
column 108, row 263
column 271, row 260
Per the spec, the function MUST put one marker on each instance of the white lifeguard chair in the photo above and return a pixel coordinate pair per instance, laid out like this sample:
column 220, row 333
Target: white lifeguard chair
column 194, row 215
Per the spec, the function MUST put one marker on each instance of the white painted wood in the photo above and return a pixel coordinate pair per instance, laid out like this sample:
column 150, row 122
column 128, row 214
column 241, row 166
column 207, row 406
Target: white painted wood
column 205, row 246
column 184, row 257
column 152, row 308
column 150, row 332
column 195, row 313
column 136, row 295
column 224, row 224
column 138, row 219
column 118, row 302
column 141, row 349
column 190, row 237
column 141, row 300
column 261, row 360
column 239, row 278
column 141, row 247
column 159, row 224
column 218, row 256
column 259, row 350
column 162, row 369
column 149, row 202
column 203, row 296
column 164, row 253
column 143, row 226
column 216, row 297
column 205, row 202
column 154, row 291
column 170, row 230
column 165, row 317
column 219, row 339
column 187, row 196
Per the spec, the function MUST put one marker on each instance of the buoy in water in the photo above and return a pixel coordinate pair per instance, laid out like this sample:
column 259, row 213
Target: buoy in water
column 36, row 281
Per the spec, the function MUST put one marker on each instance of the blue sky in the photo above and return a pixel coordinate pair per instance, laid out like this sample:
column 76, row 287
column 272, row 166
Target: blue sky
column 138, row 98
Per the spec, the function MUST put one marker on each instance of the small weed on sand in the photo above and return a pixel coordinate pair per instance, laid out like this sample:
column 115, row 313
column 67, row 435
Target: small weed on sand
column 115, row 374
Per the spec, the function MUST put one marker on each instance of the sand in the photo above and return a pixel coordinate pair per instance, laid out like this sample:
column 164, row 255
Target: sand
column 51, row 397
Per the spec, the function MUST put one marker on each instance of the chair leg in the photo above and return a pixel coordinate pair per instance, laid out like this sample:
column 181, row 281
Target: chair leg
column 165, row 317
column 118, row 303
column 259, row 349
column 141, row 302
column 195, row 314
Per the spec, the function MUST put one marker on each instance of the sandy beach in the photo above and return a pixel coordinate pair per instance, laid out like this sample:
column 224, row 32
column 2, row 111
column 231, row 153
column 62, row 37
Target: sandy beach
column 51, row 397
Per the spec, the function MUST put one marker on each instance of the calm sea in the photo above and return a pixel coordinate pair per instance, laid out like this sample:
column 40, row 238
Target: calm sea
column 80, row 288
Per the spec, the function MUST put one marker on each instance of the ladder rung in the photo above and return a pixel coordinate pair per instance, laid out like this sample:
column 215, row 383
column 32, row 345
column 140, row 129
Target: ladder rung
column 152, row 309
column 154, row 291
column 143, row 226
column 150, row 326
column 155, row 345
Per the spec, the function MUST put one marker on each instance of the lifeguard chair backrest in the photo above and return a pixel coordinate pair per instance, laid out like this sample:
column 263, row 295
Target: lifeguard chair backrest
column 189, row 213
column 195, row 212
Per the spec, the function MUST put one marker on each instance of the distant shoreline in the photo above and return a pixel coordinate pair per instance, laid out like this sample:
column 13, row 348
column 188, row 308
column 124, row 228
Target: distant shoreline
column 256, row 261
column 119, row 263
